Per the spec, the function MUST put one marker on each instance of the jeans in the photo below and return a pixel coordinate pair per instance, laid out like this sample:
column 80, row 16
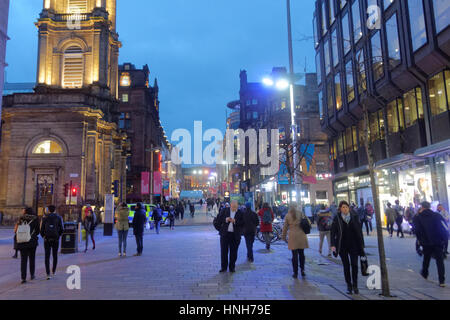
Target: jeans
column 298, row 255
column 368, row 224
column 229, row 245
column 139, row 242
column 438, row 254
column 172, row 223
column 390, row 228
column 123, row 234
column 157, row 226
column 249, row 240
column 322, row 235
column 267, row 238
column 349, row 259
column 51, row 246
column 25, row 255
column 90, row 234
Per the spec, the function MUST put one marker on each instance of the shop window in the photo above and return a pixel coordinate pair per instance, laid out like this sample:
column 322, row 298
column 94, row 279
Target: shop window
column 346, row 34
column 393, row 41
column 350, row 84
column 334, row 46
column 438, row 96
column 357, row 30
column 330, row 101
column 441, row 14
column 392, row 117
column 326, row 48
column 337, row 91
column 47, row 147
column 377, row 56
column 417, row 23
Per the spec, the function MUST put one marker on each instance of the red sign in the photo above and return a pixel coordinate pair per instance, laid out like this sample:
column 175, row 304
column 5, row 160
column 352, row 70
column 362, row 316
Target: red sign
column 145, row 182
column 157, row 183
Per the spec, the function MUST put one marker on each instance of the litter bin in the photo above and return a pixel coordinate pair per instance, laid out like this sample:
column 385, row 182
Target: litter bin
column 69, row 239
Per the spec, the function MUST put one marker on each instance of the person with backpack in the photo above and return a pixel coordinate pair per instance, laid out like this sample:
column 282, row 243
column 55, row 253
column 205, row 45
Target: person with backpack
column 324, row 222
column 157, row 217
column 122, row 227
column 266, row 216
column 347, row 241
column 171, row 217
column 432, row 233
column 251, row 221
column 399, row 218
column 89, row 224
column 52, row 228
column 139, row 221
column 27, row 233
column 296, row 238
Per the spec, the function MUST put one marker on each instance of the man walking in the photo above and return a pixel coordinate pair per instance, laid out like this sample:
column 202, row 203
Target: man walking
column 251, row 221
column 139, row 221
column 399, row 218
column 391, row 215
column 52, row 228
column 157, row 217
column 431, row 234
column 229, row 223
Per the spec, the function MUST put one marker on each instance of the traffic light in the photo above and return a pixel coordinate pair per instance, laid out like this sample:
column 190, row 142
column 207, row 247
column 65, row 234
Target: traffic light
column 115, row 188
column 66, row 190
column 74, row 192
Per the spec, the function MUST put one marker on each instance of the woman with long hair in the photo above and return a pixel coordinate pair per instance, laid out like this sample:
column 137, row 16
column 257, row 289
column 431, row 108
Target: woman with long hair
column 297, row 239
column 347, row 241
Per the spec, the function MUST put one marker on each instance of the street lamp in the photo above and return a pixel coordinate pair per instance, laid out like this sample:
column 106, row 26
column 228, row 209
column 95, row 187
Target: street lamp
column 151, row 150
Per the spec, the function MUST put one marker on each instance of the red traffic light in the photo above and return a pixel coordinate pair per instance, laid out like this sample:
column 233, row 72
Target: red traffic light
column 74, row 192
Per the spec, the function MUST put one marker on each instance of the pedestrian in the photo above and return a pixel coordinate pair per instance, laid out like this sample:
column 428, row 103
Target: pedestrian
column 347, row 241
column 89, row 224
column 192, row 209
column 122, row 227
column 432, row 235
column 441, row 210
column 391, row 216
column 27, row 233
column 181, row 211
column 369, row 217
column 52, row 228
column 139, row 221
column 399, row 218
column 324, row 222
column 266, row 216
column 229, row 223
column 15, row 247
column 157, row 217
column 296, row 239
column 171, row 217
column 251, row 222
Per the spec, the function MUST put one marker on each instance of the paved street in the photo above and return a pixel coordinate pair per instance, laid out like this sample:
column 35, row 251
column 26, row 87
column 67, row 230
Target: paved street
column 184, row 264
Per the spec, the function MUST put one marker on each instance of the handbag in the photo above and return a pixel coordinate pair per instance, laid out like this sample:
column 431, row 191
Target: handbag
column 364, row 265
column 304, row 224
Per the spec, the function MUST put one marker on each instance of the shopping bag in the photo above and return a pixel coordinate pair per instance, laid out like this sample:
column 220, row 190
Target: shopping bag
column 147, row 226
column 364, row 266
column 167, row 222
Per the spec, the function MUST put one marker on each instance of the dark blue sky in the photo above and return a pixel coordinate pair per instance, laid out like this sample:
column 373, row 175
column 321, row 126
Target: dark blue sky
column 195, row 48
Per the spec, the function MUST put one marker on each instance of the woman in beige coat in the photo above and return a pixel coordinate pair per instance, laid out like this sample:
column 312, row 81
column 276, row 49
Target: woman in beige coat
column 122, row 226
column 298, row 241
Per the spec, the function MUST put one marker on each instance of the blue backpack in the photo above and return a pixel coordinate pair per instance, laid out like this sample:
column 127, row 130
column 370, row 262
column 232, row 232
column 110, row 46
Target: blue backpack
column 267, row 217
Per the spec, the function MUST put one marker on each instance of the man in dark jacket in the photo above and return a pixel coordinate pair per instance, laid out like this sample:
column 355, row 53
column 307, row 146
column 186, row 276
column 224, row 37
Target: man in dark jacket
column 52, row 228
column 251, row 221
column 431, row 234
column 229, row 223
column 157, row 217
column 139, row 221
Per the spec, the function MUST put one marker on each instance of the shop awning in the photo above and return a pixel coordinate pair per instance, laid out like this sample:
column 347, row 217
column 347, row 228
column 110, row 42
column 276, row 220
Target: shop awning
column 432, row 150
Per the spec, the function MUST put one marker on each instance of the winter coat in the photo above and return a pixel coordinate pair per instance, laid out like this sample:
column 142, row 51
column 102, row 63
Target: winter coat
column 157, row 214
column 139, row 221
column 322, row 216
column 34, row 230
column 265, row 227
column 430, row 228
column 348, row 238
column 297, row 238
column 222, row 226
column 251, row 221
column 391, row 215
column 50, row 218
column 122, row 215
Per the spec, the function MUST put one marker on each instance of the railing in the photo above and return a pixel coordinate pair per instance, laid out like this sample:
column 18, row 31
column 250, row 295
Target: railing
column 72, row 17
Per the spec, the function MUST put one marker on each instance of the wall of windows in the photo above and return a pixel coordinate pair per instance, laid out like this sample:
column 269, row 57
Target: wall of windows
column 417, row 23
column 350, row 83
column 357, row 29
column 393, row 41
column 441, row 10
column 377, row 56
column 406, row 111
column 439, row 89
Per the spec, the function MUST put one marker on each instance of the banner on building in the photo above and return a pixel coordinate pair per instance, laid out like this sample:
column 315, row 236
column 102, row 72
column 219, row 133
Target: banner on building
column 157, row 183
column 283, row 173
column 308, row 164
column 145, row 182
column 166, row 188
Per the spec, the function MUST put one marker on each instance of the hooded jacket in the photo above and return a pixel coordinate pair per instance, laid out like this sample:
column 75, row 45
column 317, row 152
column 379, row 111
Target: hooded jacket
column 122, row 215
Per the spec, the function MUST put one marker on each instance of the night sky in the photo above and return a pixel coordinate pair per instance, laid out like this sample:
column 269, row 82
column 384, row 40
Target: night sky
column 195, row 48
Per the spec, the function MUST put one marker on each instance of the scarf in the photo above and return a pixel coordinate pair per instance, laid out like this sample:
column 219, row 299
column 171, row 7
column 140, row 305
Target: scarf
column 346, row 218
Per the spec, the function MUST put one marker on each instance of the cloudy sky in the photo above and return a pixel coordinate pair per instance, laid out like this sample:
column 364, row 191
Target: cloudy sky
column 195, row 48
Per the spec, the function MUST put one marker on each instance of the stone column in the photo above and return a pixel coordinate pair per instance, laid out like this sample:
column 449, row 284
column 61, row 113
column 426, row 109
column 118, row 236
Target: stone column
column 91, row 183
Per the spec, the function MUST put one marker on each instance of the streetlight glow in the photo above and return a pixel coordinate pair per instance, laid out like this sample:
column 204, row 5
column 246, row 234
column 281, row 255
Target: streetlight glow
column 268, row 82
column 282, row 84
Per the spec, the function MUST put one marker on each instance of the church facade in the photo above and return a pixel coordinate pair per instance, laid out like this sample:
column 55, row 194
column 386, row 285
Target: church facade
column 62, row 144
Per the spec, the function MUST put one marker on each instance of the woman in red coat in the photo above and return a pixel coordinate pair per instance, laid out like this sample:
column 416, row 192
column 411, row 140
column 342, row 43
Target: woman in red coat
column 266, row 216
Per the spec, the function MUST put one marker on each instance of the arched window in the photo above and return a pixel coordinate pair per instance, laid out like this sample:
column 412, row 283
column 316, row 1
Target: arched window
column 47, row 147
column 73, row 67
column 77, row 6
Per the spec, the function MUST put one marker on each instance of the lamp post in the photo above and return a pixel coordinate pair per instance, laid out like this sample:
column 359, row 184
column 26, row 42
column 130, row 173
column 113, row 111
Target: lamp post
column 151, row 150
